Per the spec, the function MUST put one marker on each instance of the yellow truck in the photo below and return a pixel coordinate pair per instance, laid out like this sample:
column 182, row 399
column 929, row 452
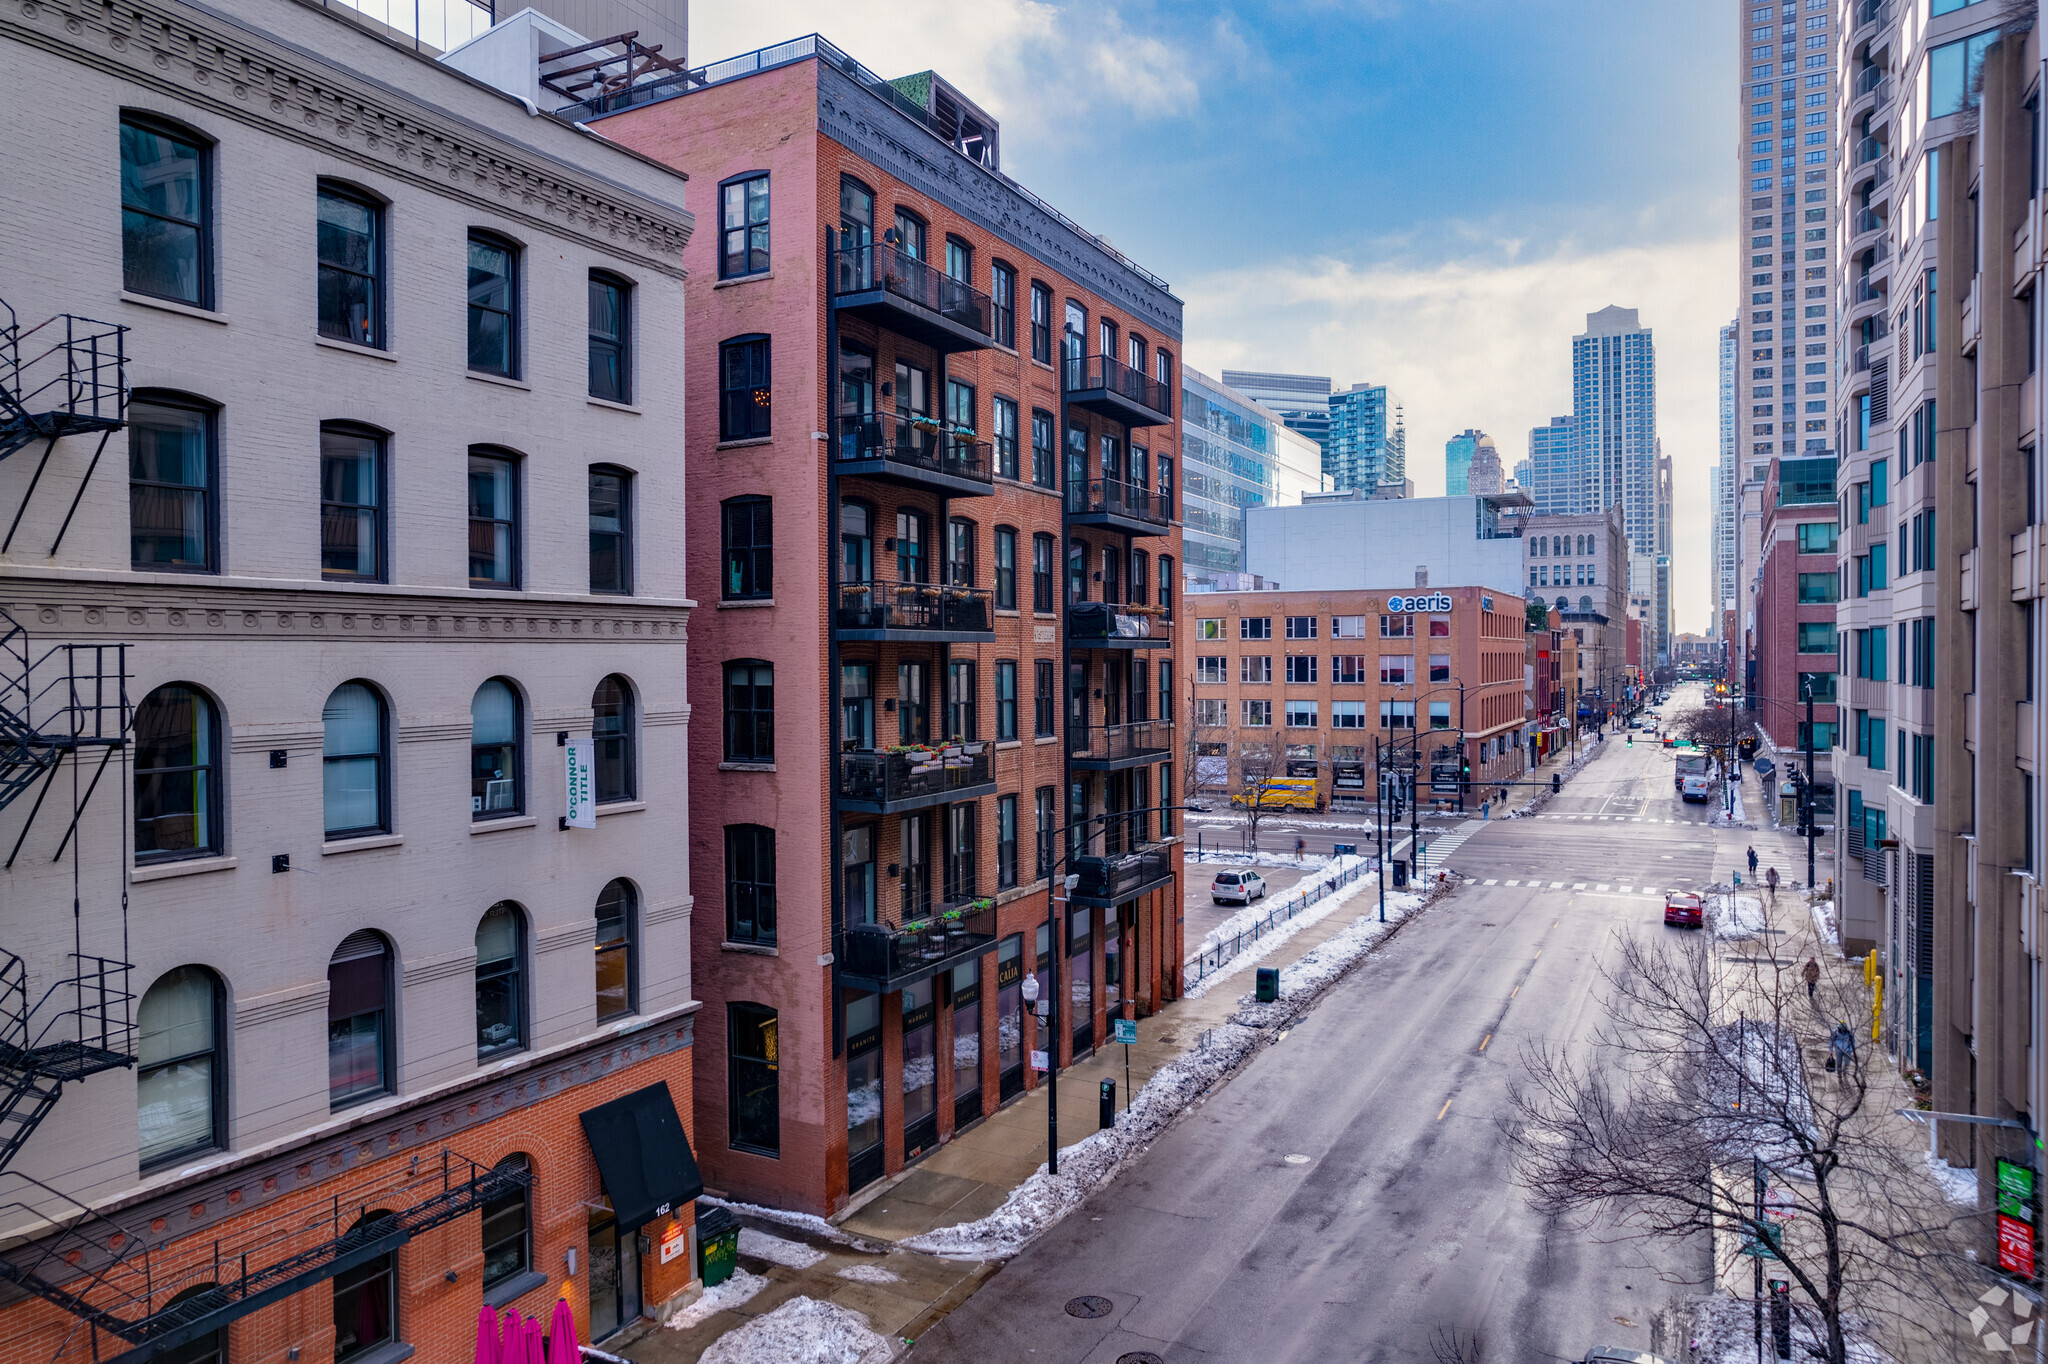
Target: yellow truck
column 1282, row 793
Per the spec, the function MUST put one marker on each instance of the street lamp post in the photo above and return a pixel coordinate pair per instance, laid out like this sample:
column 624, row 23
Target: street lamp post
column 1806, row 796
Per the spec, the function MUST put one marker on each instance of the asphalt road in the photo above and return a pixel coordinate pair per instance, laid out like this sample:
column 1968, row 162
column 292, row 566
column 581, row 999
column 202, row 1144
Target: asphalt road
column 1346, row 1196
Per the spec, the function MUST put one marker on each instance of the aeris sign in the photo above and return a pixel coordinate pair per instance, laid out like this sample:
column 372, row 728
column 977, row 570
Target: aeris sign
column 1436, row 601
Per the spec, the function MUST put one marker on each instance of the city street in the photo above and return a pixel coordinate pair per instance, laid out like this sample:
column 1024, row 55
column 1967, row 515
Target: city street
column 1347, row 1195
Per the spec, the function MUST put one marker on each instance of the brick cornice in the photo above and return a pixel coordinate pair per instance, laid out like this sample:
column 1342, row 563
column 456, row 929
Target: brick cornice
column 207, row 60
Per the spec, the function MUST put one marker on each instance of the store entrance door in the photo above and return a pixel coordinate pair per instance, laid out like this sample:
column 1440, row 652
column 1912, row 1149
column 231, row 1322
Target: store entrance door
column 614, row 1276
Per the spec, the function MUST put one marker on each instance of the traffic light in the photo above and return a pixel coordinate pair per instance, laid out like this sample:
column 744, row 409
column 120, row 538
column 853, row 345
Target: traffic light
column 1556, row 782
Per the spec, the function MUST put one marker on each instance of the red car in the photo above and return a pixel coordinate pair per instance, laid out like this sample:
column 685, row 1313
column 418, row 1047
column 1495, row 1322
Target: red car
column 1682, row 909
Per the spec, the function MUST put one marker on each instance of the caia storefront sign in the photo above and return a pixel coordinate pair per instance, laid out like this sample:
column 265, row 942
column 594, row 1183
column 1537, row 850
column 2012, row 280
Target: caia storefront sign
column 1436, row 602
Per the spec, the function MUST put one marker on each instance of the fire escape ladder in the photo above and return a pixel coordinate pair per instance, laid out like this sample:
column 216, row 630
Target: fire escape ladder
column 88, row 1028
column 65, row 376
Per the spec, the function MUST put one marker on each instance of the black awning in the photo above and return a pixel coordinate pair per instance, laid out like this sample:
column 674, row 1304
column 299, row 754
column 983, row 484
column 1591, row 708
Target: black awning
column 643, row 1155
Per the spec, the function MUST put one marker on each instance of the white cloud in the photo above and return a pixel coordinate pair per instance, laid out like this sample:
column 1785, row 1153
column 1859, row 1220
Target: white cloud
column 1486, row 341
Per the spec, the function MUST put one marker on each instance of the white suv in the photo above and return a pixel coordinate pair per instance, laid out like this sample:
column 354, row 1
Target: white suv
column 1237, row 887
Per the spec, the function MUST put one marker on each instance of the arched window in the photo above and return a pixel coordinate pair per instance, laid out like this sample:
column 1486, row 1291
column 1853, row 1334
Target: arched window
column 358, row 1019
column 366, row 1301
column 750, row 884
column 353, row 767
column 856, row 545
column 611, row 734
column 177, row 786
column 1166, row 586
column 960, row 552
column 1141, row 586
column 179, row 1081
column 496, row 762
column 166, row 211
column 211, row 1348
column 494, row 330
column 611, row 334
column 508, row 1225
column 1586, row 604
column 500, row 983
column 617, row 973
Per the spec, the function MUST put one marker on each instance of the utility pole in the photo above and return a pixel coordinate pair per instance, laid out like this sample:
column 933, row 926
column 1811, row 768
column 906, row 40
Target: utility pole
column 1055, row 907
column 1379, row 765
column 1806, row 796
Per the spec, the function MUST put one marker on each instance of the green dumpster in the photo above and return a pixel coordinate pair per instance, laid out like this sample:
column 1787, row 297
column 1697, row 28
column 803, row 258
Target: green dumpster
column 718, row 1245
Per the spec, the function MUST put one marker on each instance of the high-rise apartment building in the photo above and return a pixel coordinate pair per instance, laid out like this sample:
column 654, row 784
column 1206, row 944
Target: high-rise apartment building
column 1236, row 454
column 1525, row 476
column 1614, row 423
column 971, row 696
column 1458, row 462
column 1550, row 453
column 1722, row 486
column 1368, row 446
column 1302, row 400
column 363, row 583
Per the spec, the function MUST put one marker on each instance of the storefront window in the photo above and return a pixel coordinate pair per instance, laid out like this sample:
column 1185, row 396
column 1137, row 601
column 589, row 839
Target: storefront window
column 966, row 989
column 1010, row 1014
column 1081, row 980
column 920, row 1069
column 863, row 1089
column 1112, row 962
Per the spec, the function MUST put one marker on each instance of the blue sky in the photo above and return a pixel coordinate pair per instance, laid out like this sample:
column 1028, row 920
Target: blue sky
column 1427, row 193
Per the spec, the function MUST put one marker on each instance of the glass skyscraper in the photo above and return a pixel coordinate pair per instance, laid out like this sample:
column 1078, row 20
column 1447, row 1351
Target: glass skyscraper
column 1550, row 454
column 1368, row 448
column 1235, row 454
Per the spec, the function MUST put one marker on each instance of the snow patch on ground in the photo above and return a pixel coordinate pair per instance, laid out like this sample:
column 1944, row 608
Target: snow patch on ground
column 1824, row 923
column 1222, row 857
column 1322, row 964
column 719, row 1298
column 870, row 1274
column 1737, row 916
column 1957, row 1186
column 1723, row 1333
column 762, row 1246
column 803, row 1331
column 808, row 1223
column 1281, row 932
column 1244, row 918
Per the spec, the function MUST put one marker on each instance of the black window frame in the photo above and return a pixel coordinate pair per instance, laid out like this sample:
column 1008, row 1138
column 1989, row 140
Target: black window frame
column 209, row 490
column 1044, row 698
column 749, row 729
column 625, row 945
column 511, row 461
column 748, row 227
column 1045, row 808
column 621, row 549
column 1006, row 841
column 1002, row 292
column 747, row 554
column 614, row 741
column 1045, row 549
column 516, row 1197
column 913, row 235
column 1006, row 700
column 963, row 700
column 1045, row 452
column 1041, row 322
column 513, row 971
column 381, row 756
column 746, row 409
column 377, row 335
column 384, row 1012
column 202, row 227
column 517, row 748
column 611, row 354
column 1003, row 565
column 963, row 550
column 213, row 766
column 750, row 885
column 335, row 509
column 215, row 1052
column 1003, row 432
column 760, row 1140
column 511, row 312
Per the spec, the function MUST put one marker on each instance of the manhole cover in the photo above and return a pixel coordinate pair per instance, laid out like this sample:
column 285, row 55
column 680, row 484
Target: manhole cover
column 1088, row 1308
column 1139, row 1357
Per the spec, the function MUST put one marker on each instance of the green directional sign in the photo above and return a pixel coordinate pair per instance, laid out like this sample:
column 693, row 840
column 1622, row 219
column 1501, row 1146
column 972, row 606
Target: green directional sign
column 2015, row 1190
column 1126, row 1029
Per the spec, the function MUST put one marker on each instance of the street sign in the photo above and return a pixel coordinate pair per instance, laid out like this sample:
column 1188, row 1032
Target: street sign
column 2016, row 1218
column 1778, row 1205
column 1038, row 1062
column 1126, row 1030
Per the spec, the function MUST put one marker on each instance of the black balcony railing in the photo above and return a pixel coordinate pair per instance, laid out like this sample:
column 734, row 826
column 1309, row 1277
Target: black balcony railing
column 878, row 265
column 1116, row 497
column 1121, row 875
column 915, row 443
column 1108, row 743
column 1100, row 374
column 927, row 607
column 940, row 772
column 918, row 947
column 1096, row 622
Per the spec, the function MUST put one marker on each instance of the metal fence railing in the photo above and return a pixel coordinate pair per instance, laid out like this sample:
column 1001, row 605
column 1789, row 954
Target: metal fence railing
column 1207, row 961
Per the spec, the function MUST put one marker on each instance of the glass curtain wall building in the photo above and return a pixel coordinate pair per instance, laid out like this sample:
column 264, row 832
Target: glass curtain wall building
column 1235, row 454
column 1368, row 447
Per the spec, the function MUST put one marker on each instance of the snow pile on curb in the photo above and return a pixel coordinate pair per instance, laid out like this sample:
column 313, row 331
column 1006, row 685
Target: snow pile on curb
column 1567, row 772
column 803, row 1331
column 870, row 1274
column 1738, row 916
column 1223, row 858
column 1244, row 918
column 1824, row 923
column 762, row 1246
column 1957, row 1186
column 719, row 1298
column 809, row 1223
column 1042, row 1200
column 1322, row 964
column 1722, row 1327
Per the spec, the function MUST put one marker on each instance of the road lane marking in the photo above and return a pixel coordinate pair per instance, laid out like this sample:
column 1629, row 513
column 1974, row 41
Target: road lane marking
column 1489, row 883
column 1484, row 1040
column 1539, row 952
column 1441, row 1111
column 1513, row 883
column 1627, row 890
column 1512, row 993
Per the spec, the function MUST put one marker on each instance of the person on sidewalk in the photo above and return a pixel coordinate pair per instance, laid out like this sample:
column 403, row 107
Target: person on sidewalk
column 1811, row 972
column 1752, row 861
column 1301, row 843
column 1771, row 880
column 1842, row 1045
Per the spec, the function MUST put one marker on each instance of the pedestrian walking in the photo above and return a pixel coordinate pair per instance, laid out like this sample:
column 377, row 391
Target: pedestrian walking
column 1842, row 1051
column 1752, row 861
column 1771, row 880
column 1812, row 973
column 1300, row 843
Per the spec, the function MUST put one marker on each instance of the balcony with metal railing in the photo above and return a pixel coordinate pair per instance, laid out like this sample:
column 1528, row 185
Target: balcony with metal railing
column 888, row 956
column 1869, row 13
column 1118, row 505
column 914, row 451
column 1109, row 748
column 935, row 613
column 914, row 777
column 915, row 298
column 1865, row 221
column 1113, row 389
column 1113, row 878
column 1866, row 150
column 1107, row 625
column 1866, row 81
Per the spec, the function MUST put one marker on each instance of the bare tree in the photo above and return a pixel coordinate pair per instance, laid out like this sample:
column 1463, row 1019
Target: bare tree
column 1717, row 727
column 1706, row 1082
column 1256, row 768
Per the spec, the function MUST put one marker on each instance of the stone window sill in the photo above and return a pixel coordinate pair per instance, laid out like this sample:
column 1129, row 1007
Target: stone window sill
column 195, row 866
column 751, row 949
column 749, row 604
column 621, row 807
column 173, row 306
column 500, row 380
column 616, row 407
column 363, row 844
column 491, row 826
column 385, row 1354
column 738, row 280
column 1009, row 743
column 744, row 444
column 355, row 348
column 746, row 767
column 518, row 1286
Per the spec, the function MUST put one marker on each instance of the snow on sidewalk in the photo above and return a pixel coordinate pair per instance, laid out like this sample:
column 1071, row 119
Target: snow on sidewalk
column 1737, row 916
column 738, row 1287
column 803, row 1331
column 1277, row 934
column 1244, row 918
column 1044, row 1199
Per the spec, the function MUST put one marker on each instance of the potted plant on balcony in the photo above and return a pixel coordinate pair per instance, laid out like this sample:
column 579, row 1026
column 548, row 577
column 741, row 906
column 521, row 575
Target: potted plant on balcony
column 955, row 924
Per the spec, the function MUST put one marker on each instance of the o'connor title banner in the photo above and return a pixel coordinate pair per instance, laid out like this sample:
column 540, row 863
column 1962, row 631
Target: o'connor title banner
column 1435, row 601
column 581, row 811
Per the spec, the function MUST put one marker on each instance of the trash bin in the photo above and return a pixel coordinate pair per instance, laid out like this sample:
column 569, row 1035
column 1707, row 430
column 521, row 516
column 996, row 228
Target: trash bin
column 1268, row 988
column 718, row 1244
column 1106, row 1105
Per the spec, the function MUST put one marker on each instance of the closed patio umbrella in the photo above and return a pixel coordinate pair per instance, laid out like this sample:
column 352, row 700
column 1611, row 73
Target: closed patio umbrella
column 487, row 1348
column 562, row 1334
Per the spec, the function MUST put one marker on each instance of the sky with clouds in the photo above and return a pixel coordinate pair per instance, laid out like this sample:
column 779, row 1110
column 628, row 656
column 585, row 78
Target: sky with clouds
column 1426, row 193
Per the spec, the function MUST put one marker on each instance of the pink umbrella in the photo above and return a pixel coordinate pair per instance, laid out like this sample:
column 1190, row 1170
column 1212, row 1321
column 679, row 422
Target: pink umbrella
column 487, row 1348
column 535, row 1352
column 508, row 1351
column 562, row 1332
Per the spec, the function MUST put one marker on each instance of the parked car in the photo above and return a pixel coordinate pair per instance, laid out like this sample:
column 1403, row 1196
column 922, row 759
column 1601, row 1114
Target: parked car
column 1682, row 910
column 1695, row 786
column 1237, row 887
column 1621, row 1354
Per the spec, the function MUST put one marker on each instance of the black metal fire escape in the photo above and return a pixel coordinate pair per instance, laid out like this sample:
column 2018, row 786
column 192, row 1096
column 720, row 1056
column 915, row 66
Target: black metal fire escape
column 59, row 703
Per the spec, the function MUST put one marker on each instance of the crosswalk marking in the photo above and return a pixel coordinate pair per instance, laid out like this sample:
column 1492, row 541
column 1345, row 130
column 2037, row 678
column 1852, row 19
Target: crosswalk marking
column 1625, row 890
column 1580, row 886
column 1489, row 883
column 1512, row 883
column 1557, row 885
column 1600, row 888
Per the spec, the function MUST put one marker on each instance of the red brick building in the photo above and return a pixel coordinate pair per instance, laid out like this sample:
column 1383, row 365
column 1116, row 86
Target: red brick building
column 1798, row 584
column 933, row 532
